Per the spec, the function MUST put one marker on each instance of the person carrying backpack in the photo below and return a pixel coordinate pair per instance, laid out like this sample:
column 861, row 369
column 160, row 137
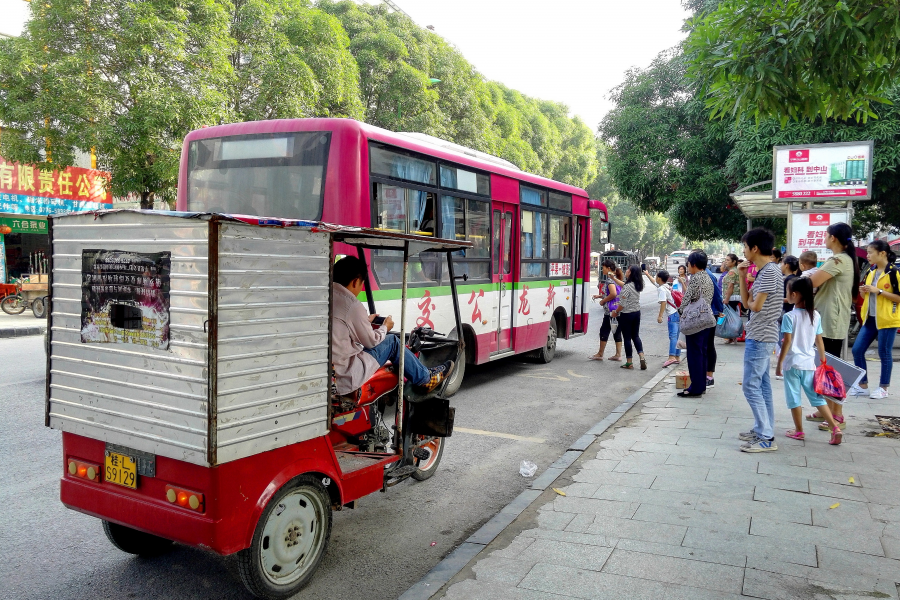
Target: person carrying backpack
column 668, row 310
column 881, row 317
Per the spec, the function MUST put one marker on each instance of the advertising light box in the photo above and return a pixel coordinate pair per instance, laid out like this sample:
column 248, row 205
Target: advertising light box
column 817, row 171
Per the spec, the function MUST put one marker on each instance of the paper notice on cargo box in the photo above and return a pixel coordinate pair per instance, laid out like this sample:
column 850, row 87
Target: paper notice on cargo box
column 125, row 297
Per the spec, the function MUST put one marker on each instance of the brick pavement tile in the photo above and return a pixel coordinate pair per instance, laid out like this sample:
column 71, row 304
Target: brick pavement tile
column 770, row 510
column 680, row 424
column 580, row 523
column 859, row 521
column 617, row 443
column 840, row 475
column 783, row 498
column 890, row 529
column 581, row 583
column 712, row 489
column 599, row 465
column 863, row 541
column 719, row 420
column 614, row 478
column 814, row 573
column 689, row 517
column 669, row 449
column 582, row 490
column 743, row 543
column 710, row 556
column 552, row 519
column 733, row 463
column 883, row 512
column 515, row 547
column 875, row 455
column 860, row 564
column 472, row 589
column 501, row 570
column 665, row 410
column 638, row 530
column 646, row 496
column 683, row 592
column 682, row 415
column 600, row 507
column 839, row 490
column 573, row 537
column 774, row 586
column 569, row 554
column 891, row 546
column 625, row 455
column 880, row 496
column 685, row 472
column 730, row 476
column 689, row 439
column 667, row 569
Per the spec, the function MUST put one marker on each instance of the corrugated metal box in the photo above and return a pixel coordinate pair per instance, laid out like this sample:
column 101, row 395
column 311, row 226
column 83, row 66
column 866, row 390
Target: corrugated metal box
column 198, row 338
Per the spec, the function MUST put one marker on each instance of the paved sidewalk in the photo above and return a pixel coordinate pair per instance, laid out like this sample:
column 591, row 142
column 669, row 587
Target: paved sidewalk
column 665, row 506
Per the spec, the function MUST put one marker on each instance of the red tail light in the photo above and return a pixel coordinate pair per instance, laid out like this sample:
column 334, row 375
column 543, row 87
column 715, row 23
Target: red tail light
column 184, row 498
column 84, row 470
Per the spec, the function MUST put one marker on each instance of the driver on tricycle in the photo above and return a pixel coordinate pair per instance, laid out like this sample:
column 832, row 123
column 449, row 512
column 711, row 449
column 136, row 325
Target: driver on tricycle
column 359, row 347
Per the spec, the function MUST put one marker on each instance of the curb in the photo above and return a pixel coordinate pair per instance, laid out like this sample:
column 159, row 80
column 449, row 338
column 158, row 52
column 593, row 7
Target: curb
column 23, row 331
column 454, row 562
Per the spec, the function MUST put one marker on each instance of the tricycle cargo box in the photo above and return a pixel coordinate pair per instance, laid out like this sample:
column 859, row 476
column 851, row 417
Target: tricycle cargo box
column 197, row 337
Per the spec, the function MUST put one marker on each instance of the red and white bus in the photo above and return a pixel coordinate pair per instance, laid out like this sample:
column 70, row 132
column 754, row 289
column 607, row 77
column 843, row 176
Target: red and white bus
column 528, row 276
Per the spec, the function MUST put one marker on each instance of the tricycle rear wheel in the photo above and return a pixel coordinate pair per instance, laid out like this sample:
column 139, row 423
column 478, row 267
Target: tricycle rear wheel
column 12, row 305
column 39, row 307
column 289, row 542
column 133, row 541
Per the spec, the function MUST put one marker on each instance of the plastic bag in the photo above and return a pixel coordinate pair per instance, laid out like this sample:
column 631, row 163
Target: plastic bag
column 732, row 325
column 527, row 469
column 828, row 382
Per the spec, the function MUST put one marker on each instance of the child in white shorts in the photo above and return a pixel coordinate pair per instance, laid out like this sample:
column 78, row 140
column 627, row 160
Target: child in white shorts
column 802, row 331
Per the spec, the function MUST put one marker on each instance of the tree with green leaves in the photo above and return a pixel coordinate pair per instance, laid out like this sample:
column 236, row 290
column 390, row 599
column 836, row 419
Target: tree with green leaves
column 795, row 59
column 127, row 79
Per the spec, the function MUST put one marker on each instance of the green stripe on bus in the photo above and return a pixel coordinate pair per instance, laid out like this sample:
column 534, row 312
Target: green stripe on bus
column 444, row 290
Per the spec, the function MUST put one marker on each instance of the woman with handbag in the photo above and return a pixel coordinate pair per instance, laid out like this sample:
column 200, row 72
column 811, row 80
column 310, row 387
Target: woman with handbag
column 697, row 322
column 609, row 299
column 629, row 315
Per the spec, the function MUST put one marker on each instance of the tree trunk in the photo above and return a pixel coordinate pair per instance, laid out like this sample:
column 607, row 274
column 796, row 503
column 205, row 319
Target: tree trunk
column 146, row 200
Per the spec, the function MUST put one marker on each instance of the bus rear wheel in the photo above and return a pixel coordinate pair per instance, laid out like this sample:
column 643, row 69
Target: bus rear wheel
column 289, row 542
column 133, row 541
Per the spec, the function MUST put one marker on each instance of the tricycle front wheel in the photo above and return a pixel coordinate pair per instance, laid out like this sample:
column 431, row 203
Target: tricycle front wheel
column 12, row 305
column 39, row 307
column 290, row 540
column 428, row 466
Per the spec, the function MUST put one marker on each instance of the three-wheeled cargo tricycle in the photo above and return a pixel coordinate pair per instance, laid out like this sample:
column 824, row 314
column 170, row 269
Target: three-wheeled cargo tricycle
column 190, row 373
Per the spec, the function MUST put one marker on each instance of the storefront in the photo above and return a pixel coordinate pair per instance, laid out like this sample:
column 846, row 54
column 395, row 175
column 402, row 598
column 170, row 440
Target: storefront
column 27, row 196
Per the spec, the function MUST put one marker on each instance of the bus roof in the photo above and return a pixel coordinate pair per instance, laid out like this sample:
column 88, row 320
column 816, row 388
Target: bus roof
column 415, row 142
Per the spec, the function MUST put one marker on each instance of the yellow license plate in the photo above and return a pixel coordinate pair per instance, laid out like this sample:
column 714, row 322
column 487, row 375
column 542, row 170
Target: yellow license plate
column 121, row 470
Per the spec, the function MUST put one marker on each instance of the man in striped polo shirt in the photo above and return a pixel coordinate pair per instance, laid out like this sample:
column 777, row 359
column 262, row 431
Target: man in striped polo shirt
column 764, row 303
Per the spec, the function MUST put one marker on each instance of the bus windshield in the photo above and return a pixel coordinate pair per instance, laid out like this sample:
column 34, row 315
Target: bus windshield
column 272, row 175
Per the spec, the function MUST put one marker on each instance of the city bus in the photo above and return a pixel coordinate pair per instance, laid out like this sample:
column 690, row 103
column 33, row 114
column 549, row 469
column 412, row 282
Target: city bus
column 523, row 284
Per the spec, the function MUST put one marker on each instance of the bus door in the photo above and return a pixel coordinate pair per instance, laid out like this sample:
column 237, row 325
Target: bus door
column 503, row 219
column 581, row 253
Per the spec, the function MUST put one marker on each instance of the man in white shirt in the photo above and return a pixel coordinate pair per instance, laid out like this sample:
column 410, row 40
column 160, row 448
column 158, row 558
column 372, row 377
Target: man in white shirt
column 359, row 348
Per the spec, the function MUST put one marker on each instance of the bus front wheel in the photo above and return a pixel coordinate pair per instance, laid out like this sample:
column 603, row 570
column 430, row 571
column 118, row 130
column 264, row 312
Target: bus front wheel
column 546, row 354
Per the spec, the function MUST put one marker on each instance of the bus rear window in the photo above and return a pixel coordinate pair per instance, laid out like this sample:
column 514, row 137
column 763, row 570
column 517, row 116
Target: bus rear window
column 278, row 175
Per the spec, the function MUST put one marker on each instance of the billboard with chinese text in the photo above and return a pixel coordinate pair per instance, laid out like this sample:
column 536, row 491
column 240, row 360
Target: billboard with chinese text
column 842, row 170
column 809, row 230
column 27, row 190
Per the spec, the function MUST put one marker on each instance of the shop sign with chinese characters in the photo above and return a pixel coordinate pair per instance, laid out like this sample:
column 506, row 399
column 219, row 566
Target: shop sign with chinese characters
column 842, row 170
column 24, row 224
column 27, row 190
column 809, row 230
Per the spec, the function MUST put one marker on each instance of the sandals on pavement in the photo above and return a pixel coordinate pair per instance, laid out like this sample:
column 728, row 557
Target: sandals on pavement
column 616, row 358
column 815, row 417
column 643, row 365
column 670, row 362
column 795, row 435
column 628, row 365
column 595, row 357
column 836, row 437
column 839, row 419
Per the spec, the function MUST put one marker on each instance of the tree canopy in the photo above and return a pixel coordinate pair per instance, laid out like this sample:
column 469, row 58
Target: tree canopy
column 130, row 80
column 668, row 155
column 796, row 59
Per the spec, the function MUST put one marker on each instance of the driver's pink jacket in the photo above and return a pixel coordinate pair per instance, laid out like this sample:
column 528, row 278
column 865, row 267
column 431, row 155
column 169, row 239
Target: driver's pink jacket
column 351, row 332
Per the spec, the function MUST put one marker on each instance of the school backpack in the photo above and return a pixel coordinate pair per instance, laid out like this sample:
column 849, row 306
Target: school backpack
column 892, row 273
column 717, row 306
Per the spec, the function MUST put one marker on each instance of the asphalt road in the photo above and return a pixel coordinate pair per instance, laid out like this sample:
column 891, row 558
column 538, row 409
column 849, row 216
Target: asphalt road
column 377, row 550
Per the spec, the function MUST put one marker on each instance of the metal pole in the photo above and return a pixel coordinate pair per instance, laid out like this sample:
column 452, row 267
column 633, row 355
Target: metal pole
column 399, row 415
column 459, row 332
column 370, row 297
column 749, row 224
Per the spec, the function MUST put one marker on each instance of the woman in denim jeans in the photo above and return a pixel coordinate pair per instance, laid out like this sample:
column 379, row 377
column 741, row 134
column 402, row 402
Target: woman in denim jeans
column 668, row 311
column 881, row 317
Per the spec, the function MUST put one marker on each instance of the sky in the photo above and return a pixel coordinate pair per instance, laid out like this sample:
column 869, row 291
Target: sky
column 569, row 51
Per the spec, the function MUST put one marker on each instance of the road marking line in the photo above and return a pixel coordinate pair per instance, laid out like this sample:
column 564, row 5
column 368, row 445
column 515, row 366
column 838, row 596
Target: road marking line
column 573, row 374
column 508, row 436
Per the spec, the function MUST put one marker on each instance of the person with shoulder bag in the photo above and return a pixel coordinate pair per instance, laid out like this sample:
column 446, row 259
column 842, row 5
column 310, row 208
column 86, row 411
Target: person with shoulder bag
column 609, row 300
column 697, row 322
column 881, row 317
